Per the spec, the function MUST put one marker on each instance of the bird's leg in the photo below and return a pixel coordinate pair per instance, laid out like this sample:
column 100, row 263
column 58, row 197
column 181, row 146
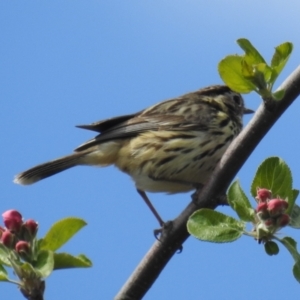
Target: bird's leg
column 150, row 205
column 165, row 227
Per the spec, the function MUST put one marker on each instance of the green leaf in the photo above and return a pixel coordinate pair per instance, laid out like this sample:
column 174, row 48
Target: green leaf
column 247, row 70
column 296, row 271
column 271, row 248
column 209, row 225
column 280, row 58
column 275, row 175
column 65, row 261
column 265, row 72
column 240, row 203
column 4, row 254
column 45, row 263
column 230, row 70
column 252, row 56
column 292, row 201
column 60, row 233
column 257, row 75
column 27, row 271
column 295, row 217
column 278, row 95
column 291, row 246
column 3, row 274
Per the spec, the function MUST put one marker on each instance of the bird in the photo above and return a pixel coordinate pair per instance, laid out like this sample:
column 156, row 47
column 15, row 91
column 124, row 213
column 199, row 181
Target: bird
column 170, row 147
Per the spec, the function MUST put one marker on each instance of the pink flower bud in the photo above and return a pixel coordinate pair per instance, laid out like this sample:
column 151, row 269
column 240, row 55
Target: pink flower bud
column 283, row 220
column 262, row 195
column 262, row 211
column 277, row 207
column 1, row 231
column 7, row 239
column 269, row 223
column 262, row 207
column 31, row 226
column 22, row 247
column 12, row 220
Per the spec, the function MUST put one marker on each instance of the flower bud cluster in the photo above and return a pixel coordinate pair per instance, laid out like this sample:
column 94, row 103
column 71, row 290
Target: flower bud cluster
column 18, row 235
column 271, row 212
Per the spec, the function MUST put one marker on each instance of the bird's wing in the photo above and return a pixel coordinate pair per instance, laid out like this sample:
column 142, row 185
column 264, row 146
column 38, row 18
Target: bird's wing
column 163, row 116
column 103, row 125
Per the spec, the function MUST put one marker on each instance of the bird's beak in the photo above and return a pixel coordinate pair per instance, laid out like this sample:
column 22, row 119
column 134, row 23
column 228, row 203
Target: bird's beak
column 248, row 111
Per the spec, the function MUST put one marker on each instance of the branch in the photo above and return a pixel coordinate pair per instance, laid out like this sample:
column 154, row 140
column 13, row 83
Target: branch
column 35, row 292
column 233, row 159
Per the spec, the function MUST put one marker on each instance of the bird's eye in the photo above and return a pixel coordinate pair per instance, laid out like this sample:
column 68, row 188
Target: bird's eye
column 237, row 99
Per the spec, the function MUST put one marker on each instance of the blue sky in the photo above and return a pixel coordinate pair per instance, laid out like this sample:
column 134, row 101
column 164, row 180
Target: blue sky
column 65, row 63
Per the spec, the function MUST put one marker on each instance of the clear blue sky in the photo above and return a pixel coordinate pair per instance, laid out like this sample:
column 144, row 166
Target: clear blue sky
column 74, row 62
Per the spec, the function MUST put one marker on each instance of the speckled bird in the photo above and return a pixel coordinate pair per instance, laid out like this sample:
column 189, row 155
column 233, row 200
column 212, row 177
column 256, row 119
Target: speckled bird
column 171, row 147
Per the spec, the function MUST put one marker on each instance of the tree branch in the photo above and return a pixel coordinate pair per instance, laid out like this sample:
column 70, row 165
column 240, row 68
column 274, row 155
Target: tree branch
column 35, row 290
column 240, row 149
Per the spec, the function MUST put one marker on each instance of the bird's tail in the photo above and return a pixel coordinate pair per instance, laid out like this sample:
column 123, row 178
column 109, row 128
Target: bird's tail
column 50, row 168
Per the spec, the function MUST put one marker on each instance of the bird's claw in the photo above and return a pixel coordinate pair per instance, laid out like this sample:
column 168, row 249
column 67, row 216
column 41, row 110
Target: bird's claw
column 165, row 228
column 162, row 232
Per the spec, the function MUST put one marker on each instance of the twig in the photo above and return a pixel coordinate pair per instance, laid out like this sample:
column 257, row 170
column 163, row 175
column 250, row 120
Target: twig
column 35, row 292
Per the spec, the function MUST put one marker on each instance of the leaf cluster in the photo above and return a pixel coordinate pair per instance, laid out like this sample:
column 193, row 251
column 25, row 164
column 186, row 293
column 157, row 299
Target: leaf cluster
column 46, row 259
column 250, row 72
column 273, row 174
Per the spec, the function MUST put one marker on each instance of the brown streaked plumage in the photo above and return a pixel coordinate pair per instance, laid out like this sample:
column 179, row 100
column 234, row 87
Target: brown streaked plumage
column 170, row 147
